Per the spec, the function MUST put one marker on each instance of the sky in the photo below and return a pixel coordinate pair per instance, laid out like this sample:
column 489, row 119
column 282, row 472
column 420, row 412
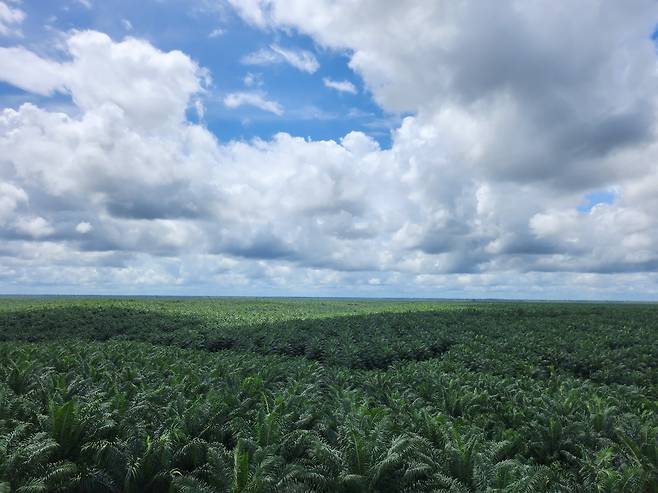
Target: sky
column 370, row 148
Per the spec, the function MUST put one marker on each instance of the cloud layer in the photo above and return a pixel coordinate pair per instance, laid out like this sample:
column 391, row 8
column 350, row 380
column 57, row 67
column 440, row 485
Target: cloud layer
column 519, row 112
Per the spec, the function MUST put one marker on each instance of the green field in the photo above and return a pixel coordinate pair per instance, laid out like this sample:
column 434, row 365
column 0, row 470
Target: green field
column 295, row 395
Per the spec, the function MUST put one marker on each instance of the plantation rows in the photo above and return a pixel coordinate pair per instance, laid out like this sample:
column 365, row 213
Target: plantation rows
column 609, row 344
column 145, row 396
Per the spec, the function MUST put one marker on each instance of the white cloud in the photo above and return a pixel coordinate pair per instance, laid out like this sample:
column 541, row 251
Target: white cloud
column 525, row 121
column 477, row 194
column 339, row 85
column 300, row 59
column 10, row 197
column 83, row 227
column 127, row 25
column 11, row 19
column 200, row 109
column 250, row 10
column 252, row 98
column 216, row 33
column 36, row 227
column 261, row 57
column 251, row 80
column 26, row 70
column 152, row 88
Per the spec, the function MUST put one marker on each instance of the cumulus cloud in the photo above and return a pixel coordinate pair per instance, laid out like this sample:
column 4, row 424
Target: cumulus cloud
column 251, row 10
column 561, row 102
column 300, row 59
column 151, row 87
column 538, row 103
column 518, row 113
column 11, row 19
column 10, row 197
column 257, row 99
column 26, row 70
column 34, row 226
column 169, row 189
column 339, row 85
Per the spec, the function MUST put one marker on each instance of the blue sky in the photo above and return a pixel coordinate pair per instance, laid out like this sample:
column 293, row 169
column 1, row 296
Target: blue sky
column 594, row 198
column 218, row 39
column 331, row 148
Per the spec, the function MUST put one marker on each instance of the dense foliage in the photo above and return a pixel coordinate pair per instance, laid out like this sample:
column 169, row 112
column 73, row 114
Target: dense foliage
column 340, row 396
